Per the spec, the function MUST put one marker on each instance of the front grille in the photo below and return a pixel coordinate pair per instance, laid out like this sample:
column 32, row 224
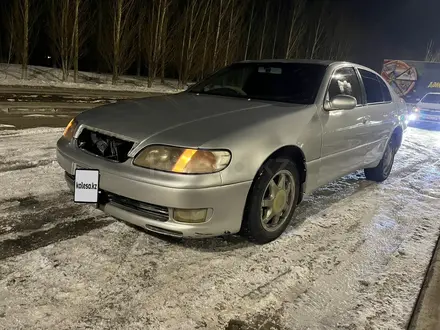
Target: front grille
column 143, row 209
column 105, row 146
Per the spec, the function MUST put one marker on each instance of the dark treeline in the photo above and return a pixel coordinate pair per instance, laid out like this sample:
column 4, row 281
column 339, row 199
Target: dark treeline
column 185, row 39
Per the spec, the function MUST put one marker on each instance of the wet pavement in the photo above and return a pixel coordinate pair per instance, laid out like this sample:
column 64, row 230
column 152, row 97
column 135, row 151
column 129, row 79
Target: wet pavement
column 38, row 118
column 29, row 107
column 53, row 98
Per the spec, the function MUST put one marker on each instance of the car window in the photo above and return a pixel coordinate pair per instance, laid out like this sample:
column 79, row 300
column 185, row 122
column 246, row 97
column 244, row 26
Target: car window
column 431, row 98
column 346, row 82
column 385, row 90
column 372, row 86
column 283, row 82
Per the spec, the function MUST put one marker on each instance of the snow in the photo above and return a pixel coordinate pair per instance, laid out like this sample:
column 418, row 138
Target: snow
column 355, row 257
column 10, row 74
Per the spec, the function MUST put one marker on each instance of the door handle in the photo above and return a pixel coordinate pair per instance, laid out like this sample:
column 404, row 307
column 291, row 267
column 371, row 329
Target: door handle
column 365, row 119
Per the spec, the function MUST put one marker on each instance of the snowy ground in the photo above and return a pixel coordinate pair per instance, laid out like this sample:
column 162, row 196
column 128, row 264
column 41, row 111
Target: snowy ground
column 10, row 74
column 354, row 259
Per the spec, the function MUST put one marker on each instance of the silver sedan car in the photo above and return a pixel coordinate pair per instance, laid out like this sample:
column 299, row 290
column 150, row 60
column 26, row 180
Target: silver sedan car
column 236, row 152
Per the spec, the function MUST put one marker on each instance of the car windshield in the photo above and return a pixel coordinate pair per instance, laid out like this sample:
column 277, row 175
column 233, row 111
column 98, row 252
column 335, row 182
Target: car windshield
column 283, row 82
column 431, row 98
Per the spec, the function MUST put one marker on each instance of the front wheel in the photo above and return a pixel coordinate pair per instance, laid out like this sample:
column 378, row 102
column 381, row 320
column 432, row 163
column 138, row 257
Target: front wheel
column 381, row 172
column 271, row 201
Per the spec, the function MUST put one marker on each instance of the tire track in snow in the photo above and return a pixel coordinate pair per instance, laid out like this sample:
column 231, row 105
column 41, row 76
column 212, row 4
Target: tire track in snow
column 30, row 223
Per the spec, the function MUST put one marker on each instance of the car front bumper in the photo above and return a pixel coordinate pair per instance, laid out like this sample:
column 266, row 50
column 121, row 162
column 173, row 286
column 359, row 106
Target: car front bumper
column 225, row 203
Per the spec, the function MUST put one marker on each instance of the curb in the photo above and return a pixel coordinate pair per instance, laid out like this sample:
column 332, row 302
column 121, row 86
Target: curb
column 426, row 312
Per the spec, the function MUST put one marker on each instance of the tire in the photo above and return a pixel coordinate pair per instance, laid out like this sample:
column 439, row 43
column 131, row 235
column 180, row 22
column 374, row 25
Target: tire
column 381, row 172
column 254, row 227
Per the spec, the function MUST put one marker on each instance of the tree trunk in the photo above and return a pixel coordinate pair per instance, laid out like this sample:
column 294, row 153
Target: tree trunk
column 264, row 31
column 276, row 31
column 205, row 48
column 295, row 31
column 160, row 54
column 24, row 55
column 217, row 36
column 117, row 41
column 189, row 45
column 182, row 55
column 139, row 37
column 76, row 31
column 99, row 35
column 164, row 51
column 249, row 31
column 229, row 33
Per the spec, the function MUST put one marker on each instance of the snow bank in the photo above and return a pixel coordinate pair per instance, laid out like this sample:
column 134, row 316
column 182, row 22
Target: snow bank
column 10, row 74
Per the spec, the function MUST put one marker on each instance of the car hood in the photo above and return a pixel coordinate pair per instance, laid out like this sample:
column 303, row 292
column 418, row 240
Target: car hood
column 142, row 119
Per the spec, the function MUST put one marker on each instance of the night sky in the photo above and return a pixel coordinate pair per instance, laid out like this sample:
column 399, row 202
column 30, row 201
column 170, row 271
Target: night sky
column 394, row 28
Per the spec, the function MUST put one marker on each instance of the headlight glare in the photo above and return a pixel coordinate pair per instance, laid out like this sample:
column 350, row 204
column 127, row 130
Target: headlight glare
column 182, row 160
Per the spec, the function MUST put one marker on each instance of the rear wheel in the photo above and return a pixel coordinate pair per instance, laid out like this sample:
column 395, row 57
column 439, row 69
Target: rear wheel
column 381, row 172
column 271, row 201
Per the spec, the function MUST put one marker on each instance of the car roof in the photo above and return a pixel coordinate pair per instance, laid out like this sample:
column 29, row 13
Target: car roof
column 321, row 62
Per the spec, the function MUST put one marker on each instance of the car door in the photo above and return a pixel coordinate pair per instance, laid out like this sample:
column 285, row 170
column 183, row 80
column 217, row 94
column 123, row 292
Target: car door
column 343, row 131
column 380, row 111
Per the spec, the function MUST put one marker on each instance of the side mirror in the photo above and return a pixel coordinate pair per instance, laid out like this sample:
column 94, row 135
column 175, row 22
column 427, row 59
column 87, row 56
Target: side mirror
column 341, row 102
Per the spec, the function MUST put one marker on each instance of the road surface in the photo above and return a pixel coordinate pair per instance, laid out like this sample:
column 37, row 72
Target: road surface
column 25, row 97
column 354, row 258
column 27, row 107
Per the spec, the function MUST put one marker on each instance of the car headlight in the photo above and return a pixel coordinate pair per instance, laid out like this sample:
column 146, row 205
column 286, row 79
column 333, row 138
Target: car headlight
column 70, row 129
column 412, row 117
column 182, row 160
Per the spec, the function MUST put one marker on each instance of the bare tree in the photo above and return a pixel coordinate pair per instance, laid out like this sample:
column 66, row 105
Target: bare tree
column 249, row 30
column 156, row 19
column 10, row 17
column 217, row 34
column 432, row 53
column 231, row 25
column 116, row 43
column 296, row 30
column 165, row 54
column 260, row 56
column 76, row 41
column 318, row 31
column 25, row 50
column 338, row 40
column 207, row 34
column 20, row 26
column 196, row 18
column 61, row 33
column 141, row 16
column 276, row 30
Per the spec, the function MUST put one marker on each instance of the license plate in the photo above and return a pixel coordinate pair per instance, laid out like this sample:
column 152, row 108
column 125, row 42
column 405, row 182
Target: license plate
column 86, row 186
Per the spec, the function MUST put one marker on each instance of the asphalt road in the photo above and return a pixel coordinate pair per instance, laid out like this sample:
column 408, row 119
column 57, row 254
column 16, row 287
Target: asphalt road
column 28, row 107
column 85, row 92
column 32, row 119
column 56, row 98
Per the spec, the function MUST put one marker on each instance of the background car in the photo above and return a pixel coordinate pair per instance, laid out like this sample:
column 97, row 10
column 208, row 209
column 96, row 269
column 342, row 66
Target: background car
column 427, row 110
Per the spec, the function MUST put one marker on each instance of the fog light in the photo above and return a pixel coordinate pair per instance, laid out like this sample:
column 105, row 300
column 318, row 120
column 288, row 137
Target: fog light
column 190, row 216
